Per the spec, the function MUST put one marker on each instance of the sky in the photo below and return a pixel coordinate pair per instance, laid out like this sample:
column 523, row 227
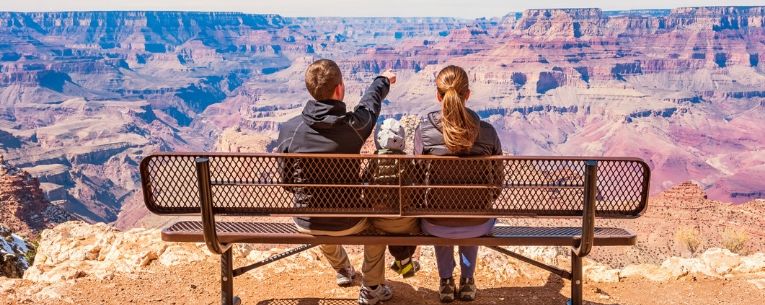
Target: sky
column 355, row 8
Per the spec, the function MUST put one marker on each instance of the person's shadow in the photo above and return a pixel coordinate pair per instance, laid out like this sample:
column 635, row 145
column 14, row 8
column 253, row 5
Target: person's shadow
column 405, row 294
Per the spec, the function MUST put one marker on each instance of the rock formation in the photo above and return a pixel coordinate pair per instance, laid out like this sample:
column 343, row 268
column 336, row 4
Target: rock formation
column 76, row 249
column 14, row 254
column 23, row 206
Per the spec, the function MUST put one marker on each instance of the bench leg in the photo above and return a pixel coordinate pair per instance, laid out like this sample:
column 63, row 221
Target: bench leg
column 227, row 279
column 576, row 280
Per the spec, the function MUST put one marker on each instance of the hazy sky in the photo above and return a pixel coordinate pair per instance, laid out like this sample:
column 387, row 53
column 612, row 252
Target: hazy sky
column 455, row 8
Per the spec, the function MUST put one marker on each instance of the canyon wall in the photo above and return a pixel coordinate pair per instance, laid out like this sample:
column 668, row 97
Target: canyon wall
column 84, row 95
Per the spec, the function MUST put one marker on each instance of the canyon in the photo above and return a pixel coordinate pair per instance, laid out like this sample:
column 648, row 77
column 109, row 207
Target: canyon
column 84, row 95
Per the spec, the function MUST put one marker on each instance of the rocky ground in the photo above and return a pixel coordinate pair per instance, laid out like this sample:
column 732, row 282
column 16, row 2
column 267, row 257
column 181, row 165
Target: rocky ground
column 681, row 209
column 96, row 264
column 198, row 283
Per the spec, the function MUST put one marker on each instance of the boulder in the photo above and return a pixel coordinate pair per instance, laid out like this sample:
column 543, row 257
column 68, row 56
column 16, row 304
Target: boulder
column 720, row 261
column 177, row 254
column 601, row 274
column 504, row 267
column 751, row 264
column 76, row 249
column 650, row 272
column 678, row 267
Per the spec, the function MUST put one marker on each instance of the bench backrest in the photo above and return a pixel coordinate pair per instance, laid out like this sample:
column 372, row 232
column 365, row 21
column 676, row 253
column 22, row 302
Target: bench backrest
column 393, row 185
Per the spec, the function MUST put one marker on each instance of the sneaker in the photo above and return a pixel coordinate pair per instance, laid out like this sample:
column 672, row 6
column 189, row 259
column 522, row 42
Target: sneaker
column 467, row 289
column 446, row 290
column 407, row 269
column 345, row 276
column 369, row 296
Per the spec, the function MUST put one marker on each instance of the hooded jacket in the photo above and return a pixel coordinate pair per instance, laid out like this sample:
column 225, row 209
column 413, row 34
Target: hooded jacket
column 326, row 127
column 429, row 140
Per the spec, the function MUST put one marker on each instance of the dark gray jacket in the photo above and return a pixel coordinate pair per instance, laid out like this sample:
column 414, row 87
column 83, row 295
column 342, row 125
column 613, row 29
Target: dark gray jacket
column 326, row 127
column 429, row 140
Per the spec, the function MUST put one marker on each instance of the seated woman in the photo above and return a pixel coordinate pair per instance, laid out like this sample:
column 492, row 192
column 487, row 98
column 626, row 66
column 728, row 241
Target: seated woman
column 458, row 131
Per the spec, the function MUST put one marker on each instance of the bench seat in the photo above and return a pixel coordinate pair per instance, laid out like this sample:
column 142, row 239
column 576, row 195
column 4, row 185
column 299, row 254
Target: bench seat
column 286, row 233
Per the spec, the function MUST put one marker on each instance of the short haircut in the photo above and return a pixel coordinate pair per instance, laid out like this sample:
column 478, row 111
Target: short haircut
column 321, row 78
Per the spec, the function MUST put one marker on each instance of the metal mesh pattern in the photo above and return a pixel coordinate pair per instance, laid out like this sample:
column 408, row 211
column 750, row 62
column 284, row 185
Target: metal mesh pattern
column 255, row 228
column 301, row 184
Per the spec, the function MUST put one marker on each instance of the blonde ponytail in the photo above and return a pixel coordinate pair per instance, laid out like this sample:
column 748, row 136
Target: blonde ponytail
column 459, row 128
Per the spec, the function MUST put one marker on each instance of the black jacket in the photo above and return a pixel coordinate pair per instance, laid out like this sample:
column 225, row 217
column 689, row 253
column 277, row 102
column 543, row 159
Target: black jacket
column 326, row 127
column 429, row 140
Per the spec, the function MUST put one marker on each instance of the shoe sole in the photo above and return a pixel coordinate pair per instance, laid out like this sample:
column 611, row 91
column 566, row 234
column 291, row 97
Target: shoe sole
column 447, row 300
column 345, row 284
column 408, row 275
column 376, row 301
column 467, row 297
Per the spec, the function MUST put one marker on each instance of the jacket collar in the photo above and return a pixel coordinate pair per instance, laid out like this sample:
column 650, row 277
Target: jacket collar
column 323, row 113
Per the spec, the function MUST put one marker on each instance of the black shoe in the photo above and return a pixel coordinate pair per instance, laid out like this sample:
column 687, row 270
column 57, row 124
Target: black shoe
column 406, row 270
column 446, row 290
column 467, row 289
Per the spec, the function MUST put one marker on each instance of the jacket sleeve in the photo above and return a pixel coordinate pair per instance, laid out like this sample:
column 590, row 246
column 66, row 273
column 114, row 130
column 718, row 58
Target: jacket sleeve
column 499, row 166
column 497, row 145
column 364, row 116
column 419, row 168
column 419, row 147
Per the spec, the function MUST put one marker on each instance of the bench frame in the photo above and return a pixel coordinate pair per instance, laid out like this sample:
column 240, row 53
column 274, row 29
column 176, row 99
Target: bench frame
column 227, row 265
column 581, row 245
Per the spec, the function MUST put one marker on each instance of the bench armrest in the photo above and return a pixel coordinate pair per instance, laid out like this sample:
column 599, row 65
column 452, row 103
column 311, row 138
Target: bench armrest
column 205, row 200
column 588, row 211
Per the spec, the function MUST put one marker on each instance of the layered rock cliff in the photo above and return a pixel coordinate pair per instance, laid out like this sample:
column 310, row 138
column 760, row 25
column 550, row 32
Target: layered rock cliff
column 23, row 206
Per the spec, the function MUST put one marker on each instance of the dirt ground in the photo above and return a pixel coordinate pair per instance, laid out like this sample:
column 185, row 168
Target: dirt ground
column 198, row 284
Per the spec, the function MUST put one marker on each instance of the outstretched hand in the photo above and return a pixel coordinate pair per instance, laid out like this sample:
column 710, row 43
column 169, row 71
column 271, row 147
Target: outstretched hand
column 390, row 76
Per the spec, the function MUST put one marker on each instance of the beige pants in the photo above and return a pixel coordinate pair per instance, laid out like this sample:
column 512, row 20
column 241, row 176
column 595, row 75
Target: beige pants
column 373, row 267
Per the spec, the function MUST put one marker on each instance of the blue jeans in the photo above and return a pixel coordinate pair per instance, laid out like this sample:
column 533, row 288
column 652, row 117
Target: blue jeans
column 468, row 254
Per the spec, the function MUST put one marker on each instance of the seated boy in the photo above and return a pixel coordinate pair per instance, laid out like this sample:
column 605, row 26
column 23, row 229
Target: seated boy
column 325, row 126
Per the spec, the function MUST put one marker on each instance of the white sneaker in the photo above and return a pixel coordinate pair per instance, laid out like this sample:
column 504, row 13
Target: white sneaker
column 345, row 276
column 367, row 296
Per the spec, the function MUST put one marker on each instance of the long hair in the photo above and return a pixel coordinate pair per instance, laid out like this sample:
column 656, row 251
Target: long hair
column 459, row 128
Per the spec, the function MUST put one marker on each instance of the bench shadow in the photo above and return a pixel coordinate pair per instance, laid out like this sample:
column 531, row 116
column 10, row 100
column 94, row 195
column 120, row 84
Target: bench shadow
column 404, row 293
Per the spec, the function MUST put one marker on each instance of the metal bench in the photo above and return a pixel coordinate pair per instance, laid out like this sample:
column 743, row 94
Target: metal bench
column 210, row 184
